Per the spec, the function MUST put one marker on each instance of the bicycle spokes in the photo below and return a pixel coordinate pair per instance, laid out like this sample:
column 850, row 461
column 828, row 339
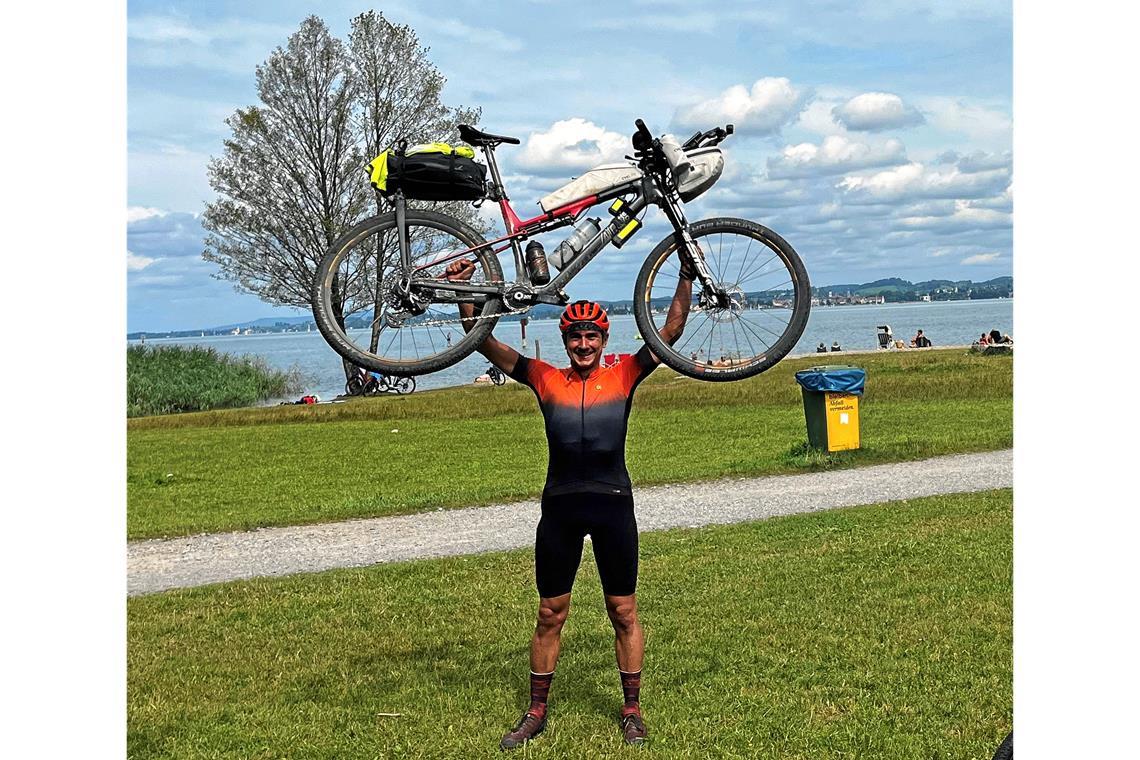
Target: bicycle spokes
column 743, row 309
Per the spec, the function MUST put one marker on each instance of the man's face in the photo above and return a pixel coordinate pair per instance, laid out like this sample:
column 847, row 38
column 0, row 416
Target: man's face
column 584, row 347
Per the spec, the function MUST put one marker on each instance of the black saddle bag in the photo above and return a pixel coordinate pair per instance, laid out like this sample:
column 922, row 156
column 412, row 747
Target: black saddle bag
column 431, row 175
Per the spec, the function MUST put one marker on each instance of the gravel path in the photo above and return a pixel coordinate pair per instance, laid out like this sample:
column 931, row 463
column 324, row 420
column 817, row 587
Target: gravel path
column 158, row 565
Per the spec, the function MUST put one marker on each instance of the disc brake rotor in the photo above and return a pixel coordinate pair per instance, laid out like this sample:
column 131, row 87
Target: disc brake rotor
column 710, row 304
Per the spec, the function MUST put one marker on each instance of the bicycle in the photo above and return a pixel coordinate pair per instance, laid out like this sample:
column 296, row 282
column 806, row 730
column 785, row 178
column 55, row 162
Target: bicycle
column 496, row 375
column 365, row 383
column 752, row 294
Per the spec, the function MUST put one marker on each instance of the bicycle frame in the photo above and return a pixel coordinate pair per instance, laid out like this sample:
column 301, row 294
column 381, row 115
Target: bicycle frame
column 645, row 190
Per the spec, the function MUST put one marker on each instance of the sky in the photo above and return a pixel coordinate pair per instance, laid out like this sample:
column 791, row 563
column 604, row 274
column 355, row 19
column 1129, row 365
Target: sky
column 875, row 137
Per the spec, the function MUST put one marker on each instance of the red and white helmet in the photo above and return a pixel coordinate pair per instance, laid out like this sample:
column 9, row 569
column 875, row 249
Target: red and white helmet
column 582, row 315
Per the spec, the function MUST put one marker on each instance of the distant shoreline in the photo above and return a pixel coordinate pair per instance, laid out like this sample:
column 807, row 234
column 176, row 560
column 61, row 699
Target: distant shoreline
column 300, row 327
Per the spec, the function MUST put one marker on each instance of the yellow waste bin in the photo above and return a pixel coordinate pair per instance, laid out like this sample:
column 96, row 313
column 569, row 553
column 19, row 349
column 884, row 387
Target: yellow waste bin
column 831, row 405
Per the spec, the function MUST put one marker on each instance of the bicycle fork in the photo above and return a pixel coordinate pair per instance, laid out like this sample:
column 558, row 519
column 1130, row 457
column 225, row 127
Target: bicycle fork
column 689, row 251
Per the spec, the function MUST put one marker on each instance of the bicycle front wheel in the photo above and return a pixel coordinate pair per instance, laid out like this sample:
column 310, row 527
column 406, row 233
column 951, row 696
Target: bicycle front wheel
column 356, row 311
column 404, row 385
column 769, row 297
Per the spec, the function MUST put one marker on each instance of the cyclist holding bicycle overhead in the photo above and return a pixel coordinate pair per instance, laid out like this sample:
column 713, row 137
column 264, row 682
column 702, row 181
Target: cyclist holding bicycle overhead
column 588, row 491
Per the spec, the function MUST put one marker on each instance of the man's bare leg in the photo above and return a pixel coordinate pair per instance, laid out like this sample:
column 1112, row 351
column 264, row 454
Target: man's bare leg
column 629, row 645
column 629, row 641
column 547, row 640
column 544, row 648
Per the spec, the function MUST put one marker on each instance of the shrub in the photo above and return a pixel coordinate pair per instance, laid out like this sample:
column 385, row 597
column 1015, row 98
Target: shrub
column 169, row 379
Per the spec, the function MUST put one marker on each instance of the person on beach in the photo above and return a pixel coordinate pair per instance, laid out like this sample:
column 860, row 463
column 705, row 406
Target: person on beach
column 835, row 346
column 588, row 491
column 821, row 349
column 996, row 337
column 984, row 340
column 920, row 341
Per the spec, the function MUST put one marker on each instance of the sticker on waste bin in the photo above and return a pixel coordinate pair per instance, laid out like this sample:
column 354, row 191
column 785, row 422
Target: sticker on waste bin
column 842, row 411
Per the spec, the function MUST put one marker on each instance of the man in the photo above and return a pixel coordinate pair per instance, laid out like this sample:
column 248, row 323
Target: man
column 920, row 341
column 586, row 409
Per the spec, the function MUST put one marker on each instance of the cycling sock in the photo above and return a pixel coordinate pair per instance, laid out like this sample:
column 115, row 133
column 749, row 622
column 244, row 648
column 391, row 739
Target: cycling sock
column 631, row 690
column 539, row 690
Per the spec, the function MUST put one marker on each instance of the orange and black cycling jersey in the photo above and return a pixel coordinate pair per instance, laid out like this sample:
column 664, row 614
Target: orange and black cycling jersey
column 586, row 421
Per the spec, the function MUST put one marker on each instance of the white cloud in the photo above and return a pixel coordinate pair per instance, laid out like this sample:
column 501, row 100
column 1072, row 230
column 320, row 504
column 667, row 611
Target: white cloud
column 137, row 263
column 980, row 161
column 674, row 21
column 835, row 155
column 915, row 181
column 965, row 217
column 770, row 104
column 165, row 29
column 149, row 173
column 971, row 119
column 139, row 213
column 159, row 280
column 1001, row 202
column 572, row 144
column 981, row 258
column 874, row 111
column 818, row 117
column 488, row 37
column 231, row 44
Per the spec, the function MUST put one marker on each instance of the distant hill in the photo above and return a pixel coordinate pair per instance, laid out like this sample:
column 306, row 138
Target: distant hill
column 892, row 289
column 896, row 289
column 265, row 322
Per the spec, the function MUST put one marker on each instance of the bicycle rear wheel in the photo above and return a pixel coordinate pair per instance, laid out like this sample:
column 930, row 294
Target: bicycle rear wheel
column 355, row 310
column 769, row 301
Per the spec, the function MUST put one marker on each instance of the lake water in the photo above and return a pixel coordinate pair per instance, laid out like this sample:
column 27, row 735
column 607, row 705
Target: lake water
column 944, row 322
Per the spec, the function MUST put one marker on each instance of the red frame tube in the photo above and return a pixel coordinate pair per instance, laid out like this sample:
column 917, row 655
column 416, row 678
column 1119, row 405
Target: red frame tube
column 516, row 227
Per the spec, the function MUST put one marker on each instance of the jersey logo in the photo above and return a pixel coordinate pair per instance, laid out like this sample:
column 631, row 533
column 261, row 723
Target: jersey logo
column 609, row 360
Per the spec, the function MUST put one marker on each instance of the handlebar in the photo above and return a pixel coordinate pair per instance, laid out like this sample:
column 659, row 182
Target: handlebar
column 642, row 138
column 644, row 142
column 715, row 136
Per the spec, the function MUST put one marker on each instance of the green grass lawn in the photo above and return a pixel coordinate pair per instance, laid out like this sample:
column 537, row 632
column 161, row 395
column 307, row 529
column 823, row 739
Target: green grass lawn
column 871, row 632
column 247, row 468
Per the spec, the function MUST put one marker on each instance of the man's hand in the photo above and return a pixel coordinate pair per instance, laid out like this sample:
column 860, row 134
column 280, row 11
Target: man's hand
column 459, row 271
column 501, row 355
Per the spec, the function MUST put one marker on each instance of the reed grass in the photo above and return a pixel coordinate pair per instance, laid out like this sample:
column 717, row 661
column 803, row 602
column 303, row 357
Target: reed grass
column 171, row 379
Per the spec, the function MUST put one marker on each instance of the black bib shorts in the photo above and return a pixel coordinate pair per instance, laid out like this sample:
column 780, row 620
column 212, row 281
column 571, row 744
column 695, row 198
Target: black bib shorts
column 566, row 520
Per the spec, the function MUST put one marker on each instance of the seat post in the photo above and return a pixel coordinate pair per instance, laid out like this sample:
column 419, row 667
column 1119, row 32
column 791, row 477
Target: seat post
column 499, row 191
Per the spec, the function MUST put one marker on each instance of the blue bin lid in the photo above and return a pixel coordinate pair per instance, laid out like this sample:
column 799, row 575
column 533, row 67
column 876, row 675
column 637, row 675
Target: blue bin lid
column 833, row 379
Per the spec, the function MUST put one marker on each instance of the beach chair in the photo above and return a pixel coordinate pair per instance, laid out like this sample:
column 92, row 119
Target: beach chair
column 886, row 339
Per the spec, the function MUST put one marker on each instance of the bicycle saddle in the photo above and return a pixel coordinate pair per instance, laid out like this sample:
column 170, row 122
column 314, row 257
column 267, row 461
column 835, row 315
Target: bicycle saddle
column 473, row 136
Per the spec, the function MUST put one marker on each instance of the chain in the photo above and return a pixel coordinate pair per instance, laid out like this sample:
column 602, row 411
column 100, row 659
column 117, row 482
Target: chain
column 496, row 315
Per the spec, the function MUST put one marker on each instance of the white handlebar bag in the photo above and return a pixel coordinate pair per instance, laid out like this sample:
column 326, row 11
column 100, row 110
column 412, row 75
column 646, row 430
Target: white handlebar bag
column 703, row 170
column 678, row 160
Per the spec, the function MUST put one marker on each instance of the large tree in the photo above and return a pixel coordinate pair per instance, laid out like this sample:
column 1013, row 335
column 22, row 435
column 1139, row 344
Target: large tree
column 291, row 178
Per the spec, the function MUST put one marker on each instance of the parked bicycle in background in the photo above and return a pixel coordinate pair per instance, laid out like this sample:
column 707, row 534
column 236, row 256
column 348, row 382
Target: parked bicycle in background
column 366, row 383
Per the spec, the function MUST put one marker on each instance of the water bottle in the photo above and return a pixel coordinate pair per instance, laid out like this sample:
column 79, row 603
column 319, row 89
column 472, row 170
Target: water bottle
column 536, row 263
column 573, row 245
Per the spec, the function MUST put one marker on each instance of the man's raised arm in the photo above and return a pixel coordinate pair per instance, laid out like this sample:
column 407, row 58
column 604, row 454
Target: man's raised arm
column 679, row 308
column 498, row 353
